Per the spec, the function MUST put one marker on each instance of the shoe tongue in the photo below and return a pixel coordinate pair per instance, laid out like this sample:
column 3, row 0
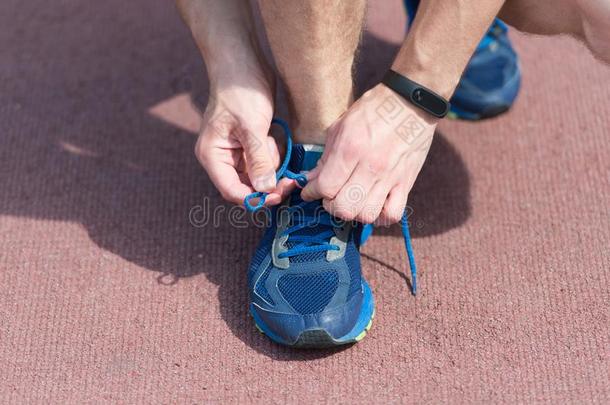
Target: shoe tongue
column 304, row 157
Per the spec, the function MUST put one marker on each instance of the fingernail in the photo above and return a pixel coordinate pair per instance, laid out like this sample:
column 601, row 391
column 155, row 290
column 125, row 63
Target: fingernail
column 264, row 183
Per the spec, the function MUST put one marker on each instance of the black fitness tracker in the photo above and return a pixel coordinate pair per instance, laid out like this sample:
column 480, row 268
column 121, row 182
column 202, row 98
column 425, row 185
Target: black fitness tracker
column 417, row 94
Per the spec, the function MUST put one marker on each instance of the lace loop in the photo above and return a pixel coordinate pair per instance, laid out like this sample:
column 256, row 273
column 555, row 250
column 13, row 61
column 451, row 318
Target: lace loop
column 282, row 171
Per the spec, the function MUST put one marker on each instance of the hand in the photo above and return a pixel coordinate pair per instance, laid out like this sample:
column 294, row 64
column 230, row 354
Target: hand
column 372, row 157
column 234, row 146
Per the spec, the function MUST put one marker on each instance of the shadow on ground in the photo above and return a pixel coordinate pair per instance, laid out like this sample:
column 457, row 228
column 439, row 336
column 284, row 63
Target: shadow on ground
column 83, row 147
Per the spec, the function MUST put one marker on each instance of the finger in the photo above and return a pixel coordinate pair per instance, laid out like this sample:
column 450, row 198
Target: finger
column 336, row 169
column 350, row 200
column 238, row 159
column 274, row 152
column 227, row 181
column 260, row 163
column 374, row 203
column 394, row 206
column 282, row 191
column 314, row 173
column 220, row 165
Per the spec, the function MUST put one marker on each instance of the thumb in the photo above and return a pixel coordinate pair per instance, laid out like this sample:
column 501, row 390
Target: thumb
column 259, row 162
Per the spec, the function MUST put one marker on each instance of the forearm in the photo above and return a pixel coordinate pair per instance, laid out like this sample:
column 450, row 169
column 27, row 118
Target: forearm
column 225, row 34
column 441, row 41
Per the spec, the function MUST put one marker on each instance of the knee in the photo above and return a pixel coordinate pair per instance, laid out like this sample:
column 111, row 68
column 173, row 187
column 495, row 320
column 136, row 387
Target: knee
column 598, row 41
column 595, row 23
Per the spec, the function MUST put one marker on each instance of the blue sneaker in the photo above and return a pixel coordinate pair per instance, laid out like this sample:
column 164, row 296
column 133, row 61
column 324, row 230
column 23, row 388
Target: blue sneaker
column 305, row 282
column 491, row 81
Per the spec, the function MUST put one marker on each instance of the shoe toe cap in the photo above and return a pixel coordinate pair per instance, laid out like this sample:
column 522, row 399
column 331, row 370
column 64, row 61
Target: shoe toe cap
column 287, row 328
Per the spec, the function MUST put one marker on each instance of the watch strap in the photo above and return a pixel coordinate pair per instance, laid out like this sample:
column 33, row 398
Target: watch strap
column 416, row 94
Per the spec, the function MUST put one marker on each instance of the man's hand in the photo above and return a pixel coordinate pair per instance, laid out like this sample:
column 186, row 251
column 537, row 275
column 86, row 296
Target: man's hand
column 372, row 157
column 234, row 146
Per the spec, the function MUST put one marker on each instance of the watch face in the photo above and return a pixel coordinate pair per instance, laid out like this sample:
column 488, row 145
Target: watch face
column 429, row 102
column 418, row 96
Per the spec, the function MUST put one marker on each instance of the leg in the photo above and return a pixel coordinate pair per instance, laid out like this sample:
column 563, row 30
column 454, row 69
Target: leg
column 588, row 20
column 314, row 44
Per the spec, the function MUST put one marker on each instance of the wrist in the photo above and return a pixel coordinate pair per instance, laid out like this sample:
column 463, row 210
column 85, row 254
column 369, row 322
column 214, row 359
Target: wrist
column 232, row 55
column 393, row 108
column 236, row 58
column 417, row 94
column 442, row 83
column 239, row 69
column 416, row 64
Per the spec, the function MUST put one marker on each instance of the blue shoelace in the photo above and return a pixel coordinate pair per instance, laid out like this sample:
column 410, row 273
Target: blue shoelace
column 307, row 215
column 302, row 244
